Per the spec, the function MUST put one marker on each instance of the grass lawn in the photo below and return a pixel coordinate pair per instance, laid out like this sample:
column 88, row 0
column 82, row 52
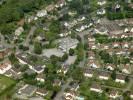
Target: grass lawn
column 5, row 84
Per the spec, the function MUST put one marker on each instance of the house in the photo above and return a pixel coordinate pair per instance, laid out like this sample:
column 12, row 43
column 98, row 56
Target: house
column 131, row 60
column 40, row 77
column 120, row 51
column 37, row 68
column 60, row 3
column 120, row 79
column 88, row 73
column 116, row 45
column 5, row 66
column 126, row 30
column 101, row 11
column 96, row 88
column 93, row 64
column 81, row 18
column 27, row 90
column 131, row 95
column 41, row 13
column 14, row 73
column 81, row 28
column 103, row 75
column 126, row 68
column 70, row 95
column 41, row 92
column 29, row 18
column 57, row 82
column 91, row 55
column 114, row 94
column 104, row 46
column 50, row 8
column 65, row 44
column 23, row 59
column 117, row 7
column 16, row 70
column 64, row 69
column 101, row 2
column 92, row 45
column 91, row 39
column 125, row 45
column 74, row 86
column 101, row 30
column 110, row 51
column 4, row 51
column 110, row 67
column 19, row 31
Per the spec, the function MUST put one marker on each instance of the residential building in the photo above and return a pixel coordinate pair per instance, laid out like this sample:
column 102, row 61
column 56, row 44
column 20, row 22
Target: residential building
column 101, row 11
column 5, row 66
column 88, row 73
column 114, row 94
column 96, row 88
column 110, row 67
column 93, row 64
column 19, row 31
column 120, row 79
column 103, row 75
column 126, row 68
column 57, row 82
column 70, row 95
column 40, row 77
column 131, row 95
column 41, row 13
column 41, row 92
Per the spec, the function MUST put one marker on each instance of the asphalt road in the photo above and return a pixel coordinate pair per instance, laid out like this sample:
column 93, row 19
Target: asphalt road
column 60, row 94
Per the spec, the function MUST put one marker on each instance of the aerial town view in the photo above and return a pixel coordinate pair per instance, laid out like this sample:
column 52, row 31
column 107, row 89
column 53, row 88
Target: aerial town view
column 66, row 49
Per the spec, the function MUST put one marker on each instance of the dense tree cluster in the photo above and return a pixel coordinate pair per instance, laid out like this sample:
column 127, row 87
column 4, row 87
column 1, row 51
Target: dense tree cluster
column 14, row 10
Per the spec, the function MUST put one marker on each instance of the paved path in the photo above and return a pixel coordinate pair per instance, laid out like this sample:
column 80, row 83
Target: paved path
column 82, row 35
column 60, row 94
column 32, row 30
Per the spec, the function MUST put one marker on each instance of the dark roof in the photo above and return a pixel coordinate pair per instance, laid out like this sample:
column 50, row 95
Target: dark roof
column 106, row 74
column 120, row 76
column 96, row 86
column 89, row 71
column 38, row 68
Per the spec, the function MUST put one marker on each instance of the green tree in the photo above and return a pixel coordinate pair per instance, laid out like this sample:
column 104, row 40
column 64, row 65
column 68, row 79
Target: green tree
column 71, row 52
column 13, row 58
column 24, row 68
column 37, row 48
column 64, row 57
column 77, row 74
column 127, row 79
column 113, row 75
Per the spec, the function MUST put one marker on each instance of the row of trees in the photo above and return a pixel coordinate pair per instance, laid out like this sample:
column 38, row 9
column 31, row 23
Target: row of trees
column 113, row 59
column 105, row 39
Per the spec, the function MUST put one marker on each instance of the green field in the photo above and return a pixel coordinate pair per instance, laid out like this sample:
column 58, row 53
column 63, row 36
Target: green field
column 5, row 84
